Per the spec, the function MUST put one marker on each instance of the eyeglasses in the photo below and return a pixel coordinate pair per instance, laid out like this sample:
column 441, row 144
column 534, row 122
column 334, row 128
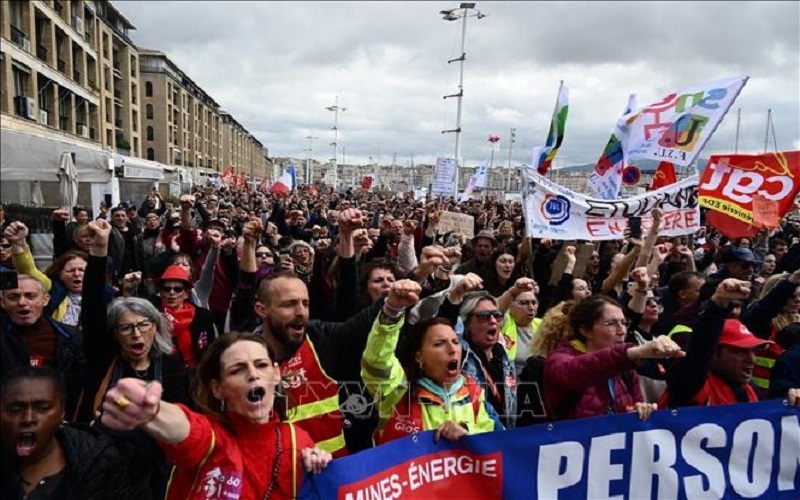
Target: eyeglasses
column 176, row 289
column 142, row 327
column 527, row 303
column 617, row 323
column 261, row 255
column 654, row 300
column 483, row 316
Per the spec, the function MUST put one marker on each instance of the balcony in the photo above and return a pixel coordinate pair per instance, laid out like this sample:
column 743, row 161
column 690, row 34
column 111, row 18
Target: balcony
column 20, row 38
column 62, row 66
column 117, row 73
column 118, row 97
column 41, row 52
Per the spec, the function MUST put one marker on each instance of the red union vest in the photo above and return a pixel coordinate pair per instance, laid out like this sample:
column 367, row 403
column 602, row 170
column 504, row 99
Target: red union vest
column 714, row 392
column 406, row 417
column 314, row 399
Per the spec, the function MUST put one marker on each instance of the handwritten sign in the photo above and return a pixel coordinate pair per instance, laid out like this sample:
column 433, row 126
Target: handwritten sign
column 765, row 212
column 458, row 223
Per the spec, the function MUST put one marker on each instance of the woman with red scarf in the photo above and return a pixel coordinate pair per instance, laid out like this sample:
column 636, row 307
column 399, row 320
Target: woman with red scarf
column 192, row 326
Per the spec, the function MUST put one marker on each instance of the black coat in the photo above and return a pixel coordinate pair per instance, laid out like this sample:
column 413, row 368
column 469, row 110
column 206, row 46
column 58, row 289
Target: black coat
column 97, row 468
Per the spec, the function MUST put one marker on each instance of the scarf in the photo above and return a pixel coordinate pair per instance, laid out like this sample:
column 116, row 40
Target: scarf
column 303, row 272
column 181, row 319
column 73, row 313
column 263, row 272
column 447, row 394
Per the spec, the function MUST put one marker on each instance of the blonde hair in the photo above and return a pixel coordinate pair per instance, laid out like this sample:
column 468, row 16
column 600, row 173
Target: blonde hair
column 554, row 327
column 781, row 320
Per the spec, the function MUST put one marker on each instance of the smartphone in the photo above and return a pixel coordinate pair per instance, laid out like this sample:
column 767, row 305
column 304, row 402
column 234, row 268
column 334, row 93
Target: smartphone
column 635, row 227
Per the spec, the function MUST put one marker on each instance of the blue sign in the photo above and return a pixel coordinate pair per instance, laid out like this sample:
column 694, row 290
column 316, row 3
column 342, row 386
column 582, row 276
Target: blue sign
column 733, row 451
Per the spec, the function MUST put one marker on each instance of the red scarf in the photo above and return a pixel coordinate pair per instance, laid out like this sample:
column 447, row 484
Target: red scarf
column 181, row 318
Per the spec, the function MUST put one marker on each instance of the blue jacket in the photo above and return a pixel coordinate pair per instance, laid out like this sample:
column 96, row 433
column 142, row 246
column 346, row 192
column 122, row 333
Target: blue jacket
column 785, row 373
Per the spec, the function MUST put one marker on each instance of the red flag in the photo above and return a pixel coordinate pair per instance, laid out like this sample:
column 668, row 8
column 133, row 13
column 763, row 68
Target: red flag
column 262, row 186
column 665, row 175
column 366, row 182
column 226, row 176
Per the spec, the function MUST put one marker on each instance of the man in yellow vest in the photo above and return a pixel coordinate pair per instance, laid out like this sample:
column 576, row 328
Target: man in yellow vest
column 319, row 361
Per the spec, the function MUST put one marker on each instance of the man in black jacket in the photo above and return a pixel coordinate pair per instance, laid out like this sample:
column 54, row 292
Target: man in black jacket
column 28, row 338
column 320, row 361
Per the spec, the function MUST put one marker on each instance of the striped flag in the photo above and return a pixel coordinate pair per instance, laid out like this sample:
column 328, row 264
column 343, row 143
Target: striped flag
column 557, row 128
column 606, row 179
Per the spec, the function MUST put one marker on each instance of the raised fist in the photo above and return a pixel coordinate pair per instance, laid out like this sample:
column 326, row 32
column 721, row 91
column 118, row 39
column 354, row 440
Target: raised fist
column 404, row 293
column 61, row 214
column 187, row 201
column 16, row 232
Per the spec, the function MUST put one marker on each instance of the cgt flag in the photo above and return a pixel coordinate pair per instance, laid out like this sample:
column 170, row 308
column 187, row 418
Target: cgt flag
column 678, row 126
column 555, row 136
column 664, row 176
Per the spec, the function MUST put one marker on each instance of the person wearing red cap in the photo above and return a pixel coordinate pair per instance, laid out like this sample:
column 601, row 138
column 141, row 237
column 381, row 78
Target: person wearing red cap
column 192, row 326
column 718, row 368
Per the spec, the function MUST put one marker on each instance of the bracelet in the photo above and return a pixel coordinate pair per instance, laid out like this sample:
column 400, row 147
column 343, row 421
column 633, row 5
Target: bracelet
column 391, row 311
column 158, row 409
column 386, row 319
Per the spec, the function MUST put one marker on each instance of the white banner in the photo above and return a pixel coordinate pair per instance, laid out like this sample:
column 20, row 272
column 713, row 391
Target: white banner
column 463, row 224
column 677, row 127
column 445, row 170
column 553, row 211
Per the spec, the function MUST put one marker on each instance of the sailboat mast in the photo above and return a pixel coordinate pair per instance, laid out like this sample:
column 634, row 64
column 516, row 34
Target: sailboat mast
column 738, row 125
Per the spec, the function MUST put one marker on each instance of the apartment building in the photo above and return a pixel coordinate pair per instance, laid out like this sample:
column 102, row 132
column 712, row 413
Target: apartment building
column 70, row 67
column 184, row 126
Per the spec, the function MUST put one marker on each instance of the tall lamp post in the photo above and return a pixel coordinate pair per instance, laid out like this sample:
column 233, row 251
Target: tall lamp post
column 464, row 11
column 335, row 108
column 309, row 173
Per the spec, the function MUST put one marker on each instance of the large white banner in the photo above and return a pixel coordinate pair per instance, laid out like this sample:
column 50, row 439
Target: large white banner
column 677, row 127
column 553, row 211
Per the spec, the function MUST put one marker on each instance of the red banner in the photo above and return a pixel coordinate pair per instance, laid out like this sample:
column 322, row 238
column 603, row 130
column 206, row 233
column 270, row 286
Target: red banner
column 664, row 176
column 730, row 183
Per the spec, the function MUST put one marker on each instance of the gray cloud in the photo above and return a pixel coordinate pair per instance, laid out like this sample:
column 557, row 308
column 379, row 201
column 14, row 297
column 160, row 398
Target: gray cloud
column 276, row 66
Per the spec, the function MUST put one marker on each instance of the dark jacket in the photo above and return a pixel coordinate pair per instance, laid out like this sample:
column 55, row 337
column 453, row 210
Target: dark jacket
column 70, row 362
column 785, row 373
column 758, row 317
column 97, row 468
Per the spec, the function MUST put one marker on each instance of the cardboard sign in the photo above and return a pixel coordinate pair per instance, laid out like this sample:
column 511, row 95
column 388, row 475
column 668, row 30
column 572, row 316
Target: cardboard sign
column 456, row 222
column 765, row 212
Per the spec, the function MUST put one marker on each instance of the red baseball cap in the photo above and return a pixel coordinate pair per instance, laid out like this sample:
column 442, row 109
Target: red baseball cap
column 735, row 334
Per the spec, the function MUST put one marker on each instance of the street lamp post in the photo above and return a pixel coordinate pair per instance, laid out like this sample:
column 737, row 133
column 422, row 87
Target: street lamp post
column 335, row 108
column 464, row 11
column 510, row 151
column 309, row 173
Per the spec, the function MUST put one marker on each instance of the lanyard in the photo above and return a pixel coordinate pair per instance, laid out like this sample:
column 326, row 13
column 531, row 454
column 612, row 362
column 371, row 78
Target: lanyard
column 611, row 393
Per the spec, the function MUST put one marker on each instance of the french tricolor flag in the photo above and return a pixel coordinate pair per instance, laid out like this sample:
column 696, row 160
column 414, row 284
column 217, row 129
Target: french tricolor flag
column 286, row 182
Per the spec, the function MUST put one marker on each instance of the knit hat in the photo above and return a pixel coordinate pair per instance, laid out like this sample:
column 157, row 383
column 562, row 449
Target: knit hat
column 174, row 273
column 735, row 334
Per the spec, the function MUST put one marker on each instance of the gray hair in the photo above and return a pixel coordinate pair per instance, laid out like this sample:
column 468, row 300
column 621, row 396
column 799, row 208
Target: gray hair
column 471, row 301
column 162, row 344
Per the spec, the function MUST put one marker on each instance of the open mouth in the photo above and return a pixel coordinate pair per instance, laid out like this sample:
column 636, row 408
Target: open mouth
column 26, row 444
column 137, row 348
column 491, row 333
column 256, row 394
column 297, row 326
column 452, row 367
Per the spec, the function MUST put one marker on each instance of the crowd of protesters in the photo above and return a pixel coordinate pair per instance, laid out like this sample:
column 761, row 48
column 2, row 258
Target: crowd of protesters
column 238, row 340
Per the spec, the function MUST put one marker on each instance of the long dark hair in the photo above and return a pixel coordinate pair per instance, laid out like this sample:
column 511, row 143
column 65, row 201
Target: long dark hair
column 413, row 344
column 209, row 369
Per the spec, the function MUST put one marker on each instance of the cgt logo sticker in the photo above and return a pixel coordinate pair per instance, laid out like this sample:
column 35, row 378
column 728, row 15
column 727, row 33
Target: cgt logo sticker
column 555, row 209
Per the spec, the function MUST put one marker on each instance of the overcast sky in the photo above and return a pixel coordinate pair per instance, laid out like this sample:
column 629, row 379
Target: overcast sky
column 276, row 66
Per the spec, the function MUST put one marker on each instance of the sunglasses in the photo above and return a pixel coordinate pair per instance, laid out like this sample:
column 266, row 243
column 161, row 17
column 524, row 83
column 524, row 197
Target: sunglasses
column 176, row 289
column 261, row 255
column 483, row 316
column 5, row 245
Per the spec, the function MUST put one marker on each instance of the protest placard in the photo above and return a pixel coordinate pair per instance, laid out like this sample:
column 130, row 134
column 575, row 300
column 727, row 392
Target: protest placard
column 456, row 222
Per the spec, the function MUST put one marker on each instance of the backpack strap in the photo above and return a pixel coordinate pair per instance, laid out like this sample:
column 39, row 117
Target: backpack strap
column 101, row 391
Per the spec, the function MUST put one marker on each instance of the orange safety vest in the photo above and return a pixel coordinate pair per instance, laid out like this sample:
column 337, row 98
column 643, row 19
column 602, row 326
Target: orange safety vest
column 314, row 399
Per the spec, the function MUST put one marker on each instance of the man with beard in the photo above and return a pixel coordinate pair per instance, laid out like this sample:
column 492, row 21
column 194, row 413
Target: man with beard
column 128, row 255
column 320, row 362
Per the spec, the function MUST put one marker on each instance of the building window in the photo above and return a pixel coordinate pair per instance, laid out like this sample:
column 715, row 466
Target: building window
column 148, row 89
column 151, row 154
column 149, row 133
column 20, row 82
column 149, row 111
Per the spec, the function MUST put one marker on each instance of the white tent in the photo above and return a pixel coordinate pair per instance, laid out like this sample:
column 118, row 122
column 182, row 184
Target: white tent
column 68, row 182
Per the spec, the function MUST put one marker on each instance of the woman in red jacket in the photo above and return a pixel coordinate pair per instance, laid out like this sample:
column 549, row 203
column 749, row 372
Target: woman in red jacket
column 238, row 447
